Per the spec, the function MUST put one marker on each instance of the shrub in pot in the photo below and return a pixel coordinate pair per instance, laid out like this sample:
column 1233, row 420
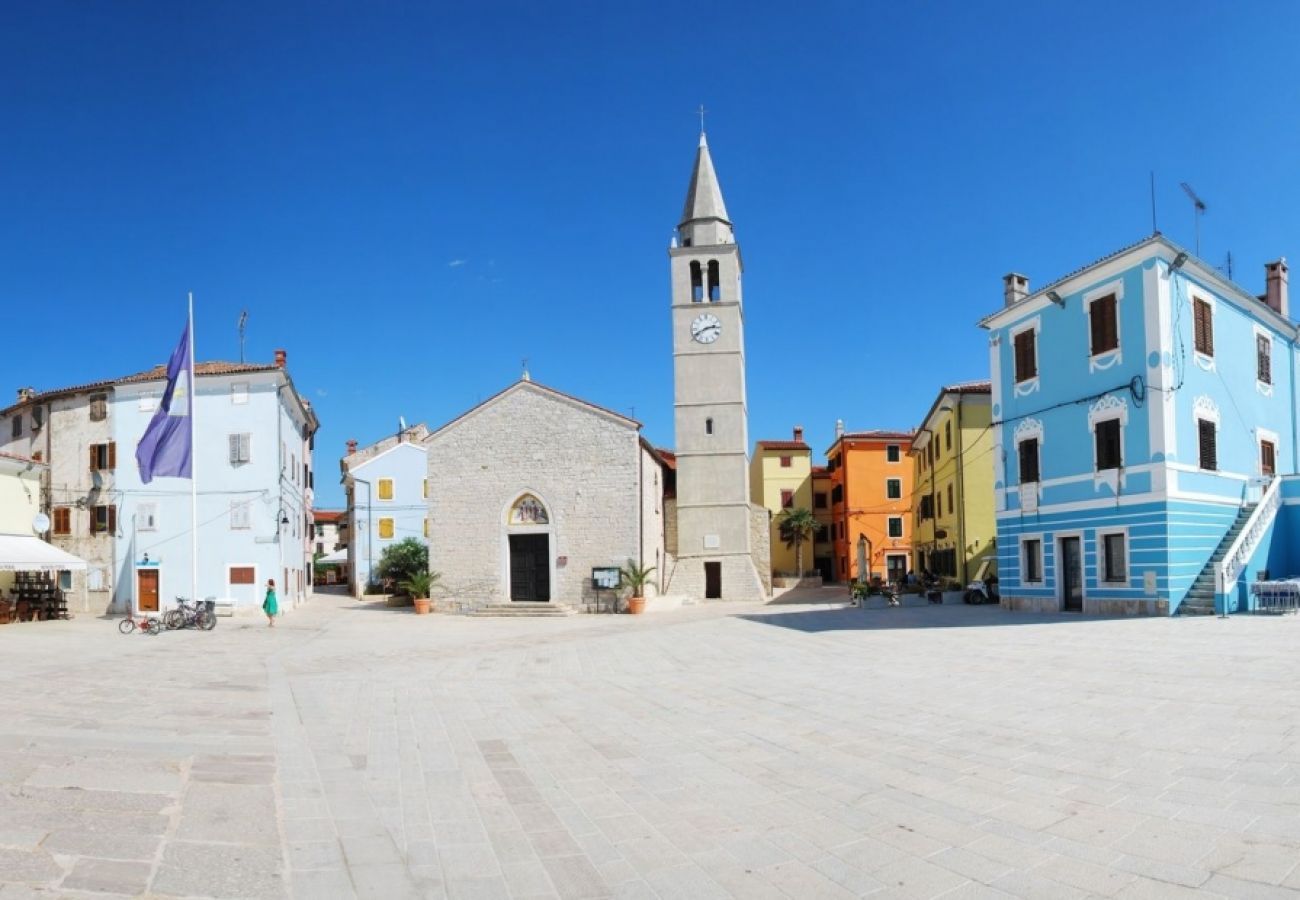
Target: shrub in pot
column 418, row 585
column 634, row 579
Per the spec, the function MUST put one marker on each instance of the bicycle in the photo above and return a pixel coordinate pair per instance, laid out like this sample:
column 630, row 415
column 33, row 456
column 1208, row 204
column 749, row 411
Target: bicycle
column 148, row 625
column 189, row 614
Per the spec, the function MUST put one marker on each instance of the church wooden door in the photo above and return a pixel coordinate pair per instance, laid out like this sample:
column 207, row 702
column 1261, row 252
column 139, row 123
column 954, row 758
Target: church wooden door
column 530, row 568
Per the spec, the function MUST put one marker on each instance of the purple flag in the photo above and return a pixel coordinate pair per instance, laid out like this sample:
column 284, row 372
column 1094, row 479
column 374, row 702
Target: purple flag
column 165, row 448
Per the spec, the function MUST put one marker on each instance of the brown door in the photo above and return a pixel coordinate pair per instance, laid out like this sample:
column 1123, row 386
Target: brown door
column 713, row 581
column 146, row 589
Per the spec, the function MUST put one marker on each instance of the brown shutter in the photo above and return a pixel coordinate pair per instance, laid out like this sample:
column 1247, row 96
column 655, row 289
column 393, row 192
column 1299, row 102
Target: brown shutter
column 1263, row 360
column 94, row 461
column 112, row 454
column 112, row 520
column 1209, row 455
column 1266, row 461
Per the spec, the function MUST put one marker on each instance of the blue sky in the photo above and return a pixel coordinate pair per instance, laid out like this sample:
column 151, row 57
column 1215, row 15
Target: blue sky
column 410, row 198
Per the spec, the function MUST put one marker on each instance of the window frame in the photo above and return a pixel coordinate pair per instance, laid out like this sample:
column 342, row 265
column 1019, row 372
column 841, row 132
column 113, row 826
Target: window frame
column 787, row 498
column 1036, row 576
column 821, row 500
column 239, row 448
column 241, row 515
column 1109, row 356
column 889, row 527
column 893, row 453
column 787, row 461
column 1205, row 352
column 379, row 489
column 239, row 393
column 1265, row 384
column 1025, row 383
column 1105, row 575
column 1097, row 466
column 1264, row 436
column 61, row 520
column 146, row 516
column 98, row 403
column 379, row 528
column 1207, row 426
column 1038, row 460
column 109, row 525
column 889, row 482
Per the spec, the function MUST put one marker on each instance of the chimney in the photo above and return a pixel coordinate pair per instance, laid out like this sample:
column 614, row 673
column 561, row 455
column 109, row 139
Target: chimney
column 352, row 446
column 798, row 434
column 25, row 394
column 839, row 428
column 280, row 359
column 1015, row 287
column 1275, row 291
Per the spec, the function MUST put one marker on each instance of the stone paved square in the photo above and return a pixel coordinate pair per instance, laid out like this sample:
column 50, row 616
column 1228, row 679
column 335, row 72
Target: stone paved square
column 800, row 749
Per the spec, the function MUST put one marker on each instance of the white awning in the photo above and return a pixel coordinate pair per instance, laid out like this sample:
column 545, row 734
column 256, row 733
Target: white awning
column 27, row 553
column 338, row 556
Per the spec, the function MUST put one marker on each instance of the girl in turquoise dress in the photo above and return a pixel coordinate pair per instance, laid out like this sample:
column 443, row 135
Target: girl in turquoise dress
column 269, row 605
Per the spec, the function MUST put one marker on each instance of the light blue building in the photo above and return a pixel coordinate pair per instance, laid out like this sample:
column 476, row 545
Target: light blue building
column 387, row 487
column 1145, row 436
column 253, row 471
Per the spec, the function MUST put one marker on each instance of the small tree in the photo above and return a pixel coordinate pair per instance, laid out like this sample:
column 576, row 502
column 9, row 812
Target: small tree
column 403, row 560
column 420, row 584
column 797, row 526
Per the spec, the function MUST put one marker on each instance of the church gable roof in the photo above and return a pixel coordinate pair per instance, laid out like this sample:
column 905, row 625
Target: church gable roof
column 539, row 390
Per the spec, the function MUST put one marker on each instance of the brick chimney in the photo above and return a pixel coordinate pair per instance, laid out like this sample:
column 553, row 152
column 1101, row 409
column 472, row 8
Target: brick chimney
column 1015, row 287
column 798, row 434
column 839, row 428
column 281, row 358
column 25, row 394
column 1275, row 287
column 352, row 446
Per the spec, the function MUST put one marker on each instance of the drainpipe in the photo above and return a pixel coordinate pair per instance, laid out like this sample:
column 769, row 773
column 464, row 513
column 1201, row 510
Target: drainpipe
column 370, row 523
column 961, row 494
column 934, row 518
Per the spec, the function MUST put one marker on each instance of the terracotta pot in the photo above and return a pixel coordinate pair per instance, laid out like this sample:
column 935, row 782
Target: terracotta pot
column 421, row 606
column 636, row 605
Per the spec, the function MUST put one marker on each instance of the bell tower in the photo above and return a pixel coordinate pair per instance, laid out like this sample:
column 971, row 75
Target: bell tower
column 715, row 542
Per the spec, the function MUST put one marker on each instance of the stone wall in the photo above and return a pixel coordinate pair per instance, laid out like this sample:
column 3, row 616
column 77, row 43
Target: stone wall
column 760, row 544
column 1092, row 606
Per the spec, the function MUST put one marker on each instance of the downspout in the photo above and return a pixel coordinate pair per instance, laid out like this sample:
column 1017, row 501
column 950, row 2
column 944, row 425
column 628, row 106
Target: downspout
column 961, row 494
column 370, row 523
column 934, row 518
column 1295, row 425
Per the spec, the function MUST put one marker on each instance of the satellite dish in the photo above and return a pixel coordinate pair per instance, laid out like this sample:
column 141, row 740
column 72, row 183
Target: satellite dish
column 41, row 523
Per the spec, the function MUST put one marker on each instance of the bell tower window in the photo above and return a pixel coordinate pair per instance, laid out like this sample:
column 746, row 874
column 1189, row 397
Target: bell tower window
column 715, row 282
column 708, row 426
column 697, row 282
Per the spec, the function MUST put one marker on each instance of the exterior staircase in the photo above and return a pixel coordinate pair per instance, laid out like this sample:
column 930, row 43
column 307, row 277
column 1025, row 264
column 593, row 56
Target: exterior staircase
column 522, row 610
column 1200, row 598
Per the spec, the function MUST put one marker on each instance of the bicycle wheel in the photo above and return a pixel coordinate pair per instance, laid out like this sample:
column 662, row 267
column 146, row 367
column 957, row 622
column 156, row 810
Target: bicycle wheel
column 206, row 620
column 127, row 625
column 173, row 619
column 153, row 626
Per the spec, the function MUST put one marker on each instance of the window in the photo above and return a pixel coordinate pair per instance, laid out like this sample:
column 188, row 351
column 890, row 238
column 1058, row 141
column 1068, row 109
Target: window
column 385, row 489
column 715, row 282
column 894, row 488
column 146, row 517
column 385, row 529
column 697, row 282
column 895, row 526
column 938, row 450
column 293, row 467
column 103, row 520
column 1104, row 326
column 1028, row 460
column 38, row 420
column 1032, row 549
column 1263, row 359
column 708, row 426
column 952, row 507
column 947, row 435
column 241, row 515
column 241, row 448
column 1115, row 562
column 892, row 453
column 1108, row 445
column 103, row 457
column 242, row 575
column 239, row 393
column 1267, row 458
column 927, row 507
column 837, row 494
column 18, row 425
column 787, row 499
column 929, row 455
column 320, row 547
column 1026, row 356
column 426, row 527
column 62, row 520
column 147, row 402
column 65, row 579
column 424, row 488
column 1205, row 439
column 819, row 500
column 786, row 462
column 1203, row 321
column 940, row 505
column 98, row 407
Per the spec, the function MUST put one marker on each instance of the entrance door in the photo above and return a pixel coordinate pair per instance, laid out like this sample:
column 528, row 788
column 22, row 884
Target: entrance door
column 1071, row 570
column 713, row 581
column 146, row 589
column 530, row 568
column 826, row 566
column 896, row 568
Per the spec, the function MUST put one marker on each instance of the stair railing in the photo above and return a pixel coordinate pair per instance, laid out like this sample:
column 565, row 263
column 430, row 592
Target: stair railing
column 1247, row 542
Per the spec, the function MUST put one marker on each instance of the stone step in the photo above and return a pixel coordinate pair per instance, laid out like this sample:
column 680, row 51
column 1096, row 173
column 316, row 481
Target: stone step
column 519, row 610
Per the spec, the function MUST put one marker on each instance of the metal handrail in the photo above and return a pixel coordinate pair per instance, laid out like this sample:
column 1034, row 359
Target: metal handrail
column 1239, row 552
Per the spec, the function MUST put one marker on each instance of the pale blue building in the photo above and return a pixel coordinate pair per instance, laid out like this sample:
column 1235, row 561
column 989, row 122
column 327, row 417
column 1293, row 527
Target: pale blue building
column 253, row 472
column 1145, row 444
column 387, row 488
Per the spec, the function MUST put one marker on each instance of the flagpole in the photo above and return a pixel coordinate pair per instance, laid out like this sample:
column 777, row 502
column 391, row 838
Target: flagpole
column 194, row 484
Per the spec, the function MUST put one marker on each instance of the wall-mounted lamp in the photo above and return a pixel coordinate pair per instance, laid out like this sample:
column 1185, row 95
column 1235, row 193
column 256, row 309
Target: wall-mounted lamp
column 1056, row 298
column 1178, row 261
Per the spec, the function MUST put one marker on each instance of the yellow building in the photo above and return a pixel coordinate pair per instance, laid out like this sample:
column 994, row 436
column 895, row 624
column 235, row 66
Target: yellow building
column 952, row 501
column 780, row 478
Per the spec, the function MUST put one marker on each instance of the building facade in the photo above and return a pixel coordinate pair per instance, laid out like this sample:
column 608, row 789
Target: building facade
column 780, row 479
column 823, row 541
column 329, row 528
column 387, row 490
column 1144, row 424
column 871, row 497
column 952, row 498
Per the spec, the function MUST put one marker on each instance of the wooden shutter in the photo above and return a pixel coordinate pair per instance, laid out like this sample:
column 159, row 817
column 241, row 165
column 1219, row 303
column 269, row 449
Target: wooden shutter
column 94, row 458
column 1029, row 460
column 1104, row 327
column 1026, row 364
column 112, row 520
column 1206, row 440
column 1263, row 359
column 1108, row 449
column 1204, row 321
column 1267, row 464
column 112, row 455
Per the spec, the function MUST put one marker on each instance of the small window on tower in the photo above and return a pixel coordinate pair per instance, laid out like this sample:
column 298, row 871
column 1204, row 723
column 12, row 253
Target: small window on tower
column 697, row 282
column 708, row 426
column 715, row 282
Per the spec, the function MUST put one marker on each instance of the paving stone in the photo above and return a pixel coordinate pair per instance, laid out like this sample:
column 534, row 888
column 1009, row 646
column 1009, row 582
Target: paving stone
column 108, row 876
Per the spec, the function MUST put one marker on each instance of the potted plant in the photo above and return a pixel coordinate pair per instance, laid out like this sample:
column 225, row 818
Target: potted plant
column 635, row 578
column 419, row 585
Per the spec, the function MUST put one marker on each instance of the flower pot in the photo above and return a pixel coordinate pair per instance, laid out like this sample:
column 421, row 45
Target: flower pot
column 636, row 605
column 421, row 606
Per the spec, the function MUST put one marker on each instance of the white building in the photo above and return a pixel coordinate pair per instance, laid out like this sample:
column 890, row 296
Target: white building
column 388, row 498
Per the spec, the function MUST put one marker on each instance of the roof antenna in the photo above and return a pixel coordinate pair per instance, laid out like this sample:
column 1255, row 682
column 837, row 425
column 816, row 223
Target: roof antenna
column 1198, row 209
column 523, row 363
column 243, row 322
column 1155, row 229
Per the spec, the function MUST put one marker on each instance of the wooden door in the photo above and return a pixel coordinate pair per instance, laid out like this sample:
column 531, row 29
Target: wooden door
column 146, row 590
column 713, row 581
column 530, row 568
column 1071, row 570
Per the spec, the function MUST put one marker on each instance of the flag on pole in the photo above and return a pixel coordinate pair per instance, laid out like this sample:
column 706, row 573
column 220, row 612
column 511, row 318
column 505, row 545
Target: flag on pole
column 167, row 448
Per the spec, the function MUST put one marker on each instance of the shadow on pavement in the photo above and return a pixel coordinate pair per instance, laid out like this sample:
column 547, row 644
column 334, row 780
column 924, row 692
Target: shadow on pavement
column 905, row 617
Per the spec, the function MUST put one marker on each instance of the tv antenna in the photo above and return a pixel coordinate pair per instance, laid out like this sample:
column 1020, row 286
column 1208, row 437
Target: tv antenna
column 1198, row 210
column 243, row 323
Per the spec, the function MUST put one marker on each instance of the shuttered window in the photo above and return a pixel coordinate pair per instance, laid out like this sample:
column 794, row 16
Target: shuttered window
column 787, row 499
column 1105, row 327
column 62, row 520
column 1108, row 445
column 242, row 575
column 103, row 520
column 241, row 448
column 385, row 489
column 1026, row 356
column 98, row 407
column 1205, row 439
column 103, row 457
column 1267, row 454
column 241, row 515
column 385, row 529
column 1029, row 460
column 1263, row 359
column 1203, row 318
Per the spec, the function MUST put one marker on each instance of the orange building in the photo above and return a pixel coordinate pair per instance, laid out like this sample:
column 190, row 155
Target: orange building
column 871, row 501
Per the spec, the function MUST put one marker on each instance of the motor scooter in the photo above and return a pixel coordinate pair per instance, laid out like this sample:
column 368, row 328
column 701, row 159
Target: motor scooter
column 980, row 592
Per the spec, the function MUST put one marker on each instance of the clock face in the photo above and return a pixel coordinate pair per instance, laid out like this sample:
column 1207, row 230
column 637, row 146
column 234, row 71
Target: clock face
column 706, row 328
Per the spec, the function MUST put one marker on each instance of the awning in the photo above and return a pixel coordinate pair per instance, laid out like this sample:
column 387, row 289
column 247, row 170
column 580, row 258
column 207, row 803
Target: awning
column 333, row 559
column 26, row 553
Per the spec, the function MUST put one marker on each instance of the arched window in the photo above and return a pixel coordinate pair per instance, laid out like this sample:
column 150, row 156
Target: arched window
column 528, row 510
column 715, row 283
column 697, row 282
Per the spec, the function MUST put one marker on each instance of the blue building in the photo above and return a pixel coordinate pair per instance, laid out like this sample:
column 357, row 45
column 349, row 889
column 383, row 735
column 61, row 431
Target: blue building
column 253, row 470
column 1145, row 443
column 387, row 486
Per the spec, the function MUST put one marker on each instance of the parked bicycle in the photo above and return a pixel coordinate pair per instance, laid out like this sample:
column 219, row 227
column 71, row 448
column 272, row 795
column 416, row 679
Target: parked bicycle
column 148, row 625
column 190, row 614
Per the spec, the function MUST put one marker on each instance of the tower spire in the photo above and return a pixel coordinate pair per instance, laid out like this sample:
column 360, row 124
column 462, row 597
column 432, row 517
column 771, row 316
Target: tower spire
column 704, row 215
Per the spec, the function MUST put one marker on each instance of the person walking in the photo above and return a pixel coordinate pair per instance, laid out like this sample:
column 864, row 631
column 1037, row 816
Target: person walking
column 269, row 605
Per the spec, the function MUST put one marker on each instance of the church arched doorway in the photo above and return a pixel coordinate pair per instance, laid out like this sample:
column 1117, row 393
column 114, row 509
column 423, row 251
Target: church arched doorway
column 528, row 539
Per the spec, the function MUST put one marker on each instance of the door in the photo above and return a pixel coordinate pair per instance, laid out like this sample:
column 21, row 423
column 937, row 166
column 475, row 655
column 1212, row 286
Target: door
column 530, row 568
column 1071, row 570
column 826, row 566
column 896, row 567
column 713, row 581
column 146, row 590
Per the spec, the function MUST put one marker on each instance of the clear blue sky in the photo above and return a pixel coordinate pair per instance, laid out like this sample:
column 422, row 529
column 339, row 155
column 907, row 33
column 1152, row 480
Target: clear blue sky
column 411, row 197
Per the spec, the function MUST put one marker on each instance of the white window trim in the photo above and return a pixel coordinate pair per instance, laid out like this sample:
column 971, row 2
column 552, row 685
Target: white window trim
column 379, row 497
column 1098, row 362
column 247, row 515
column 900, row 488
column 379, row 530
column 1264, row 387
column 1203, row 361
column 1024, row 557
column 1262, row 435
column 1102, row 534
column 894, row 462
column 1111, row 406
column 901, row 526
column 147, row 402
column 1204, row 407
column 142, row 521
column 239, row 393
column 1029, row 385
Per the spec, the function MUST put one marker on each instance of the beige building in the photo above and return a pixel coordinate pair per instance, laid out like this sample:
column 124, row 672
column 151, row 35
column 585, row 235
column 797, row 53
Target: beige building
column 780, row 479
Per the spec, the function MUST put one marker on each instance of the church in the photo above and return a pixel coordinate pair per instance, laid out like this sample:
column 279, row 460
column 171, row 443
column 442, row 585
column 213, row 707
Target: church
column 532, row 491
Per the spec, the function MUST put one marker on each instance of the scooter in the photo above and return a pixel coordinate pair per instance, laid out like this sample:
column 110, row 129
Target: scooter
column 980, row 592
